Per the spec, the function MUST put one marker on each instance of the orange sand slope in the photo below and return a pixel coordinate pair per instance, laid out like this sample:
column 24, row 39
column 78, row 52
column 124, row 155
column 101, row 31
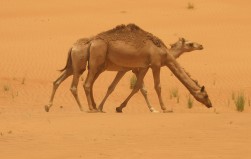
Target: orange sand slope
column 35, row 38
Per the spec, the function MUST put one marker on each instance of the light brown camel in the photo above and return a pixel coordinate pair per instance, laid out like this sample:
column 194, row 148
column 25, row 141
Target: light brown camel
column 129, row 47
column 76, row 65
column 177, row 49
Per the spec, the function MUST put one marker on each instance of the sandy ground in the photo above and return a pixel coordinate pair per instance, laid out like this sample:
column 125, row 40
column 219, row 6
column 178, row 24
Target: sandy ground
column 35, row 38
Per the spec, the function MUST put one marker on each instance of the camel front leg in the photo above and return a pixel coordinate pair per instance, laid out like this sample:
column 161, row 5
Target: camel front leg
column 156, row 76
column 144, row 93
column 56, row 84
column 140, row 76
column 111, row 88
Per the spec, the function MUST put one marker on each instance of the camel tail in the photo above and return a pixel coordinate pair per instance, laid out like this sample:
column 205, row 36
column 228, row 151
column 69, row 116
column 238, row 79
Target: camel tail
column 68, row 63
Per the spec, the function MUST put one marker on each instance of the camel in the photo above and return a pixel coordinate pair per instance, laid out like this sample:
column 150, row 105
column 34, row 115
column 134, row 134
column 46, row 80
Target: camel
column 128, row 47
column 78, row 58
column 177, row 49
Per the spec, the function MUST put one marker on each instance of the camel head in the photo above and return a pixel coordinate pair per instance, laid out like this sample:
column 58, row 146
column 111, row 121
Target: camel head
column 202, row 97
column 186, row 46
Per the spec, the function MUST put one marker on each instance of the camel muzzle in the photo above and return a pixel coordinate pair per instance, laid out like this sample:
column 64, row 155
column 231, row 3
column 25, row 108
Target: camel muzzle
column 201, row 47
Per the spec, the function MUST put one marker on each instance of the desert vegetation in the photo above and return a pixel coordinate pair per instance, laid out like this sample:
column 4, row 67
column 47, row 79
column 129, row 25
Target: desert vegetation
column 190, row 5
column 133, row 81
column 240, row 102
column 190, row 102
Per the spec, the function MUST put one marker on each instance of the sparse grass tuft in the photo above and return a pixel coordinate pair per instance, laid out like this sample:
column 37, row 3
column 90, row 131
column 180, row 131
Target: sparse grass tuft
column 190, row 5
column 23, row 80
column 189, row 102
column 6, row 88
column 240, row 102
column 133, row 81
column 174, row 92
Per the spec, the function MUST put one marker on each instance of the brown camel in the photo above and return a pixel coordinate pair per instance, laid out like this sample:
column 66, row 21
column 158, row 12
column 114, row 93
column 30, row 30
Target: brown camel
column 76, row 65
column 177, row 49
column 129, row 47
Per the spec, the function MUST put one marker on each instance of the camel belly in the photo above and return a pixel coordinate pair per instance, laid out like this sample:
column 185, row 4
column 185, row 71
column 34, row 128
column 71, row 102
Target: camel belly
column 126, row 55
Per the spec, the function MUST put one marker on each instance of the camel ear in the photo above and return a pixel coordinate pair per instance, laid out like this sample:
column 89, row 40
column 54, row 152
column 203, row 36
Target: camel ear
column 182, row 40
column 202, row 89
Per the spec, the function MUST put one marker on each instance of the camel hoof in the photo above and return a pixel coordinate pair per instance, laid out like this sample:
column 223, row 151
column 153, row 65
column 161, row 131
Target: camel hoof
column 154, row 111
column 81, row 109
column 93, row 111
column 167, row 111
column 119, row 110
column 47, row 108
column 101, row 111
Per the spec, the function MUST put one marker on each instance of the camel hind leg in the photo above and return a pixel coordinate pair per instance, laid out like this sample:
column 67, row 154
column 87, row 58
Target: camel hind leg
column 56, row 84
column 79, row 61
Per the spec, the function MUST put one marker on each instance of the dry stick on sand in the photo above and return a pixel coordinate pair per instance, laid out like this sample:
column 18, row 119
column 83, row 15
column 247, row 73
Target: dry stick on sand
column 130, row 48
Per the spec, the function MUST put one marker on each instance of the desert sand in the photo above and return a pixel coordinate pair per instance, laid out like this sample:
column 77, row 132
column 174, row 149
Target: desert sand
column 35, row 38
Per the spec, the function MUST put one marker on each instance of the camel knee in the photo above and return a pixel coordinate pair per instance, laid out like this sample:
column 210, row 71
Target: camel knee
column 56, row 84
column 73, row 90
column 136, row 88
column 87, row 88
column 157, row 88
column 143, row 91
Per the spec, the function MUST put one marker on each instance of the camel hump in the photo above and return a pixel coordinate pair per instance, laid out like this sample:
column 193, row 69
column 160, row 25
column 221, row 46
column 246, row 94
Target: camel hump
column 130, row 33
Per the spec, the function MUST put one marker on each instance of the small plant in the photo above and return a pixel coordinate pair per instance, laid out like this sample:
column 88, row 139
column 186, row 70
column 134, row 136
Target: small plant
column 240, row 102
column 190, row 6
column 133, row 81
column 249, row 102
column 174, row 92
column 23, row 80
column 6, row 88
column 189, row 102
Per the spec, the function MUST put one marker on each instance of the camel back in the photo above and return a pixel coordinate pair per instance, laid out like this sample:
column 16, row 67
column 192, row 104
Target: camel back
column 83, row 41
column 131, row 34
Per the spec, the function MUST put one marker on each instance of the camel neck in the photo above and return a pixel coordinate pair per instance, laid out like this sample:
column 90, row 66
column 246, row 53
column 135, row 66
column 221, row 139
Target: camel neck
column 176, row 53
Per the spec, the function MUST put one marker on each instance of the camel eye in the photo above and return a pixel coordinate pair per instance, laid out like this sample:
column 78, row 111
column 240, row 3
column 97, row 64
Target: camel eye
column 190, row 44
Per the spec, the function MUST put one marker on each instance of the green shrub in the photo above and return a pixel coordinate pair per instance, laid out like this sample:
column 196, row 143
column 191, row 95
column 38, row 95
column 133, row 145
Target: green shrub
column 174, row 92
column 240, row 102
column 133, row 81
column 189, row 102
